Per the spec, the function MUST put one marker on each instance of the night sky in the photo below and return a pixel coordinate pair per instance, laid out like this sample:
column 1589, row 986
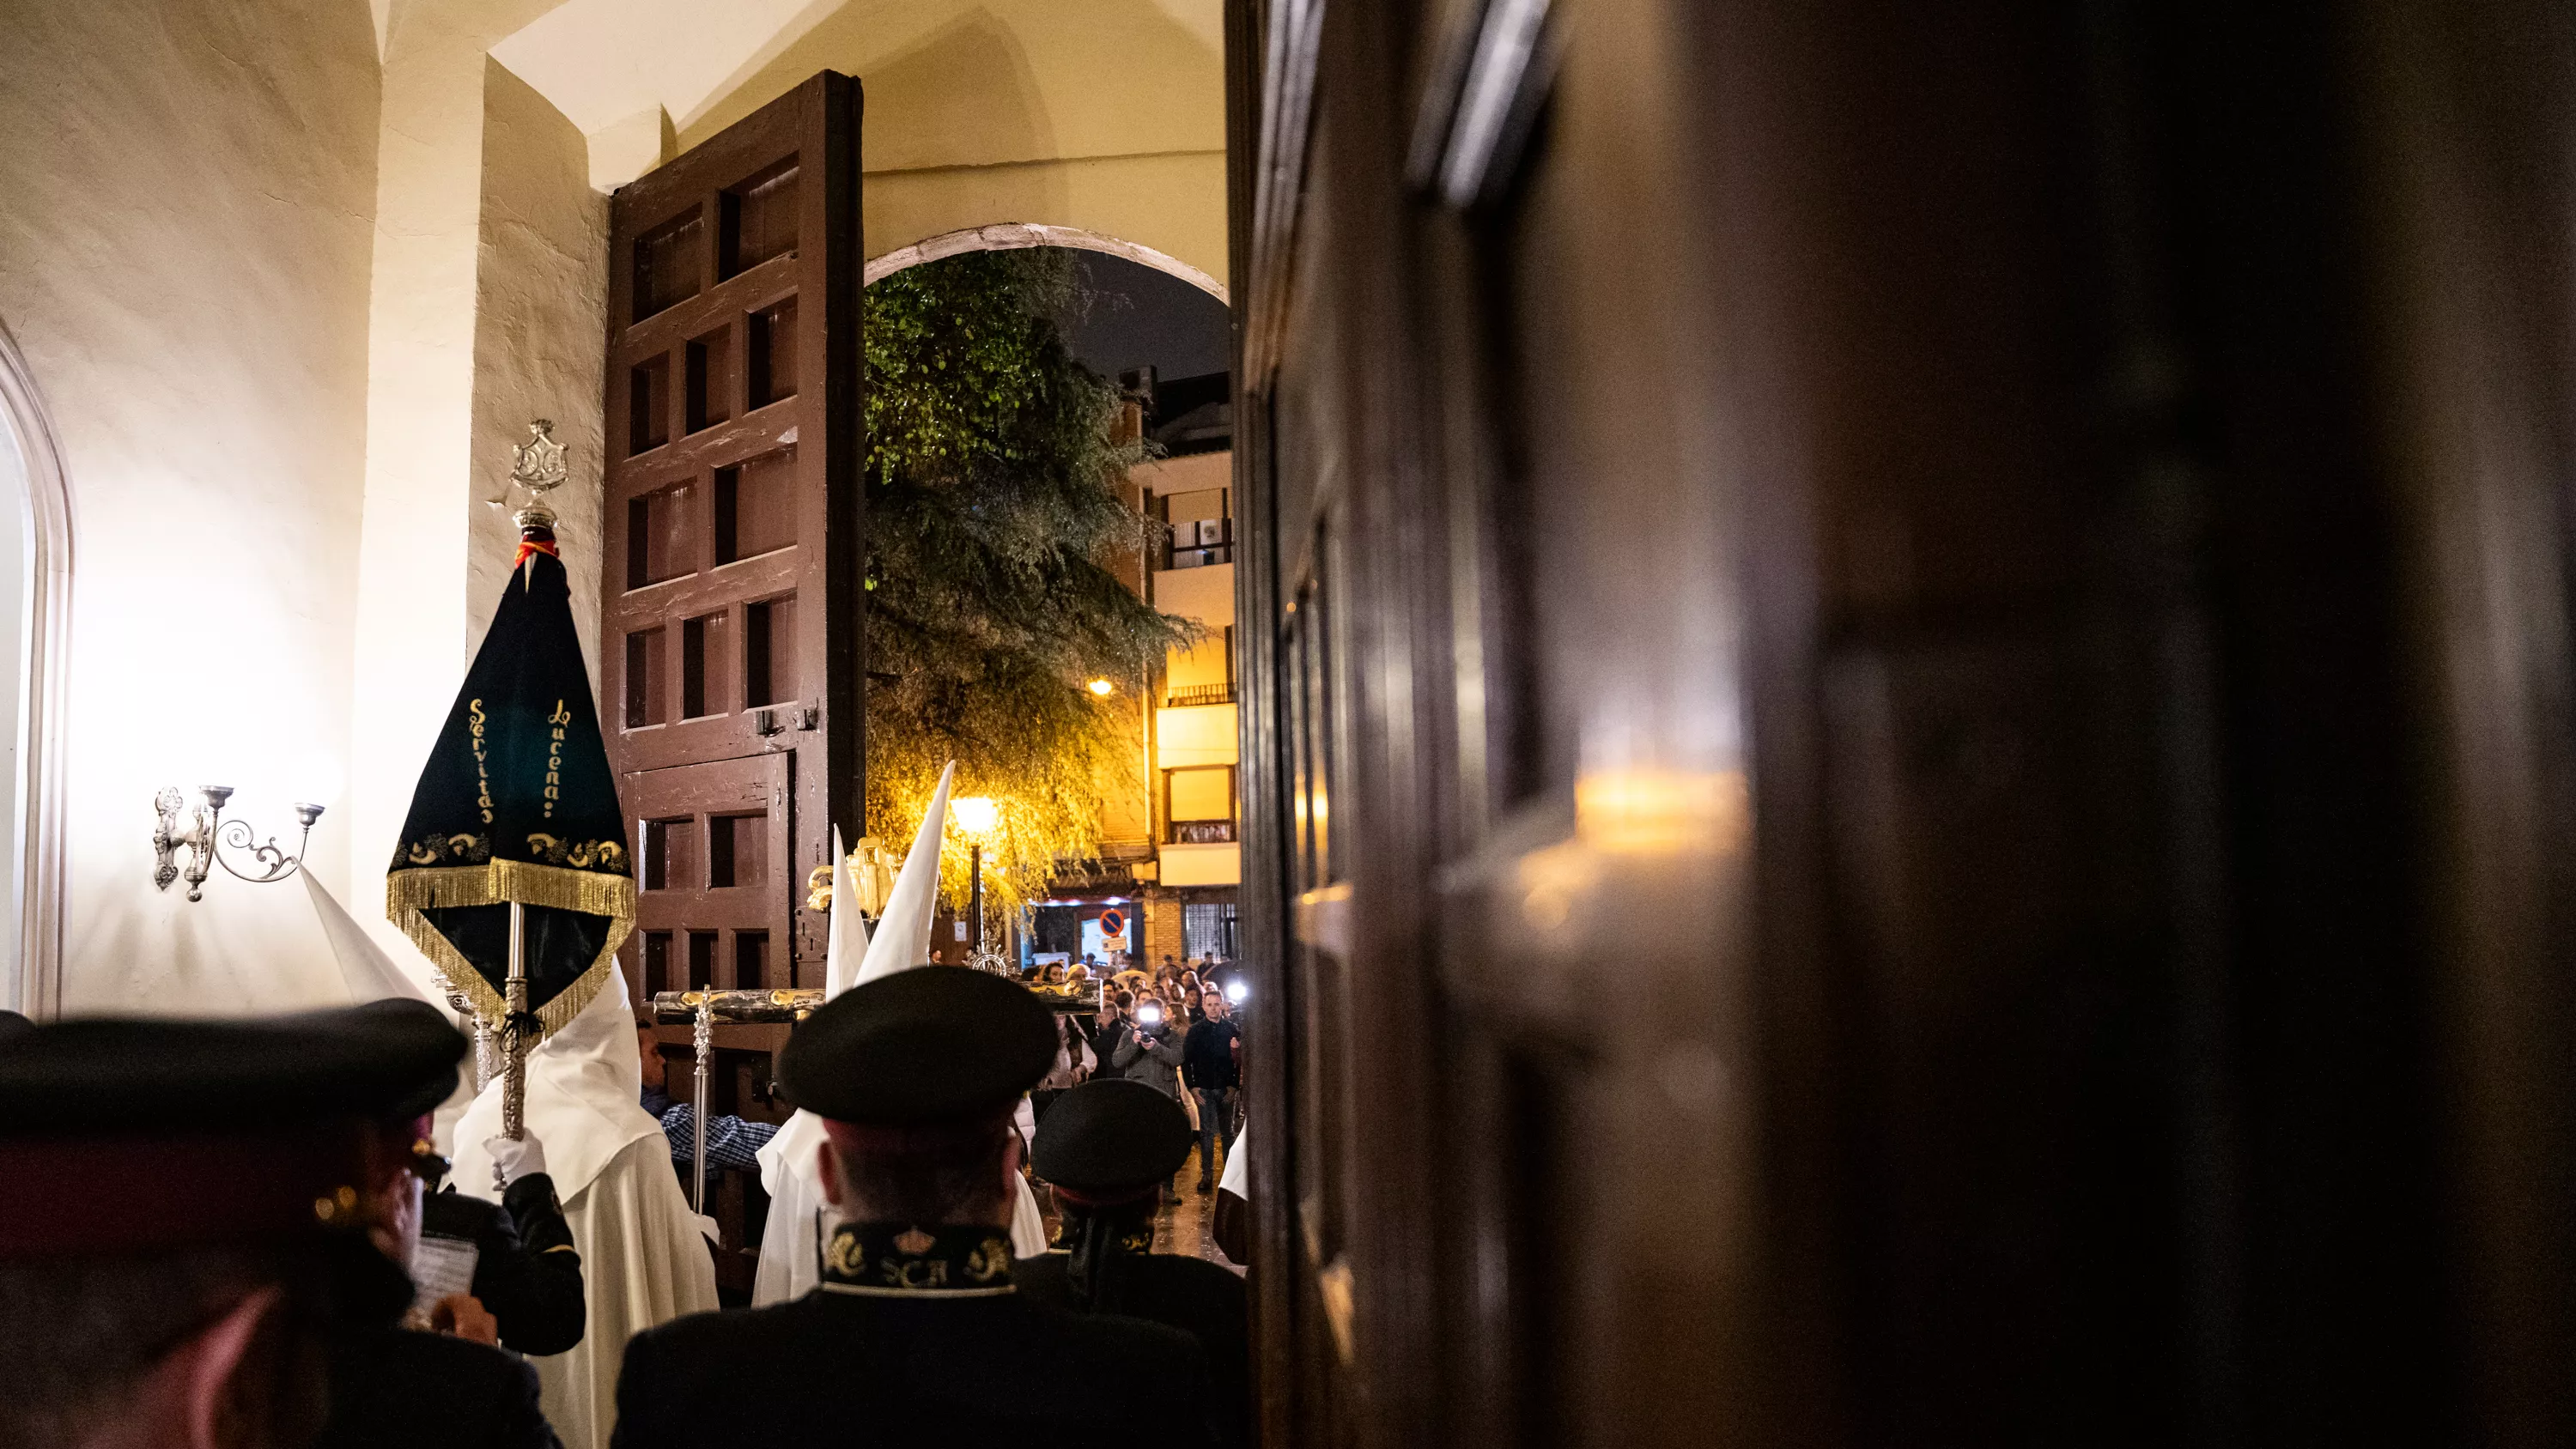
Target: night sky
column 1140, row 316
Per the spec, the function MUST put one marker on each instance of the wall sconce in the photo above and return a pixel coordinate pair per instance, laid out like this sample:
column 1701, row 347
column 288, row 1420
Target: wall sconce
column 207, row 831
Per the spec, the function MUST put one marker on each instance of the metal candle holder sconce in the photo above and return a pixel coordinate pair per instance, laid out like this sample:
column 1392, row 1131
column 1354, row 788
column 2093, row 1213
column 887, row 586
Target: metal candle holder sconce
column 205, row 832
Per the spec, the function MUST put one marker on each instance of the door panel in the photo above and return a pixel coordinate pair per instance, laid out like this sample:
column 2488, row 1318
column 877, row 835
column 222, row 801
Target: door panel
column 717, row 905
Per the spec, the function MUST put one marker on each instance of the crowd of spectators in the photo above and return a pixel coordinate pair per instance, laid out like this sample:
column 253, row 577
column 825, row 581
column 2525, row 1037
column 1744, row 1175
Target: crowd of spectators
column 1172, row 1029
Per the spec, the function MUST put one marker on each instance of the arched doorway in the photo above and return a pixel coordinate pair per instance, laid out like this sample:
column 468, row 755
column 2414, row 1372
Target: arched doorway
column 1010, row 236
column 1167, row 863
column 35, row 633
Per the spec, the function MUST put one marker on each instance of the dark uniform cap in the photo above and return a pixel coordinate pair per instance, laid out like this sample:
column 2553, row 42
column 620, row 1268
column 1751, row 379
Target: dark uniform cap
column 120, row 1135
column 933, row 1044
column 14, row 1025
column 1111, row 1136
column 385, row 1060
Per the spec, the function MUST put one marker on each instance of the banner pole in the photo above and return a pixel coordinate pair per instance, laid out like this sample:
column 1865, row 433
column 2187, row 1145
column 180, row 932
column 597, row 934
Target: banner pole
column 514, row 1038
column 704, row 1047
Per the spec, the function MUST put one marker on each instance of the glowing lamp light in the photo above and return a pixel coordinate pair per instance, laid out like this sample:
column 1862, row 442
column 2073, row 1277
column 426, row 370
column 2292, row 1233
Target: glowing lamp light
column 1102, row 687
column 1235, row 991
column 975, row 814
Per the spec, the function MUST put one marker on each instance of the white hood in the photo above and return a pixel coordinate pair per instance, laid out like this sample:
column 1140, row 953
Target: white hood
column 585, row 1098
column 902, row 939
column 847, row 943
column 369, row 973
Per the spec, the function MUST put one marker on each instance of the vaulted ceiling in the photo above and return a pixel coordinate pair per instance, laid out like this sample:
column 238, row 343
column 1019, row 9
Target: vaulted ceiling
column 601, row 61
column 1042, row 79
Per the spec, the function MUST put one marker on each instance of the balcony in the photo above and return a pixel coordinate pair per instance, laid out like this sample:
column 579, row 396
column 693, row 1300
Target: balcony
column 1202, row 865
column 1198, row 558
column 1204, row 594
column 1184, row 696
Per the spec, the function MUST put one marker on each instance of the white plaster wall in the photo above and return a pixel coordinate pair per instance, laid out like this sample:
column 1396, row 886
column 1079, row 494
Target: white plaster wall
column 184, row 254
column 540, row 342
column 1173, row 203
column 488, row 309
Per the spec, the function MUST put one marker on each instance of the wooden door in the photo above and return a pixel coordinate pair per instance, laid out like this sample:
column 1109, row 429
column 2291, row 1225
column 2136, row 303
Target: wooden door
column 730, row 636
column 1907, row 745
column 731, row 604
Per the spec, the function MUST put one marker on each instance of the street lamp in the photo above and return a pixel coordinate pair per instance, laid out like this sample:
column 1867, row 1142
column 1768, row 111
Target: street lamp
column 976, row 815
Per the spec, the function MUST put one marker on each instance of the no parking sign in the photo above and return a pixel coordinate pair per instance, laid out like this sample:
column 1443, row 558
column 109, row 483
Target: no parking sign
column 1113, row 925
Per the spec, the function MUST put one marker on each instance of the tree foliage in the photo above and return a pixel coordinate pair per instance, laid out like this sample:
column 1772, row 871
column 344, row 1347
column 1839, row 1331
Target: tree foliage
column 993, row 514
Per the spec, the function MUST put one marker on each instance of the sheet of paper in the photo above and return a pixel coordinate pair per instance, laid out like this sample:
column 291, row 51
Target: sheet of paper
column 442, row 1267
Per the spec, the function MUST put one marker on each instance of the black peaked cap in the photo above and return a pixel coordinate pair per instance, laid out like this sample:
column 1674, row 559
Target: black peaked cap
column 1110, row 1136
column 13, row 1024
column 932, row 1044
column 174, row 1077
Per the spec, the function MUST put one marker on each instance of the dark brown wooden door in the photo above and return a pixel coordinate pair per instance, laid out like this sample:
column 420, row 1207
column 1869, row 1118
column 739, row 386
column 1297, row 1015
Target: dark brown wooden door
column 1908, row 772
column 730, row 636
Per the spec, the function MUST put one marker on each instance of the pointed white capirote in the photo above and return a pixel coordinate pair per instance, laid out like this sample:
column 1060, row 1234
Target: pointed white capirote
column 902, row 939
column 847, row 944
column 369, row 973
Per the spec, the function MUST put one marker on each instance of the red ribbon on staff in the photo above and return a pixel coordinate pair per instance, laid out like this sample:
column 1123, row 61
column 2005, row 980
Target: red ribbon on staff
column 536, row 541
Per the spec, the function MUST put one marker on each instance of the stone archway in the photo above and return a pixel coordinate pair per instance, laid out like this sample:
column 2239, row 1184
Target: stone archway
column 31, row 459
column 1010, row 236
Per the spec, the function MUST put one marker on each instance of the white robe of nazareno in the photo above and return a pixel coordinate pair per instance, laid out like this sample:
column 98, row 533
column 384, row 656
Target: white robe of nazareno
column 644, row 1255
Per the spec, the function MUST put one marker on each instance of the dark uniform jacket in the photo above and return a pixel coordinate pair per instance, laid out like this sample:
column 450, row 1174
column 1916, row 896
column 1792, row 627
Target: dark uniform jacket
column 857, row 1362
column 395, row 1389
column 1190, row 1294
column 526, row 1274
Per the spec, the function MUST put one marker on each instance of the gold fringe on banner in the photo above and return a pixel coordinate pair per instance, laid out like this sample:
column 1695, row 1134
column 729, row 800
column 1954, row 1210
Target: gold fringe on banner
column 498, row 883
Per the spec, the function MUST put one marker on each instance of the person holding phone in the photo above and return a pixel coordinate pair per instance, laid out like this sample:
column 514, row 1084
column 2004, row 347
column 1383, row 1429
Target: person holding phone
column 1149, row 1051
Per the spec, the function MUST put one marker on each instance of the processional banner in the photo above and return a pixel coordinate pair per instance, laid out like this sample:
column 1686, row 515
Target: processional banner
column 517, row 804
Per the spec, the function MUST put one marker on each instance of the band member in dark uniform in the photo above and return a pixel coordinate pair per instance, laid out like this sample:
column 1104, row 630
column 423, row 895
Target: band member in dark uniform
column 1107, row 1149
column 195, row 1219
column 526, row 1272
column 917, row 1334
column 437, row 1378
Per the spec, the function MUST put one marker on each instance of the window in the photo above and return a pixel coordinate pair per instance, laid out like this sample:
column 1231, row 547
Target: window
column 1198, row 805
column 1207, row 929
column 1202, row 528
